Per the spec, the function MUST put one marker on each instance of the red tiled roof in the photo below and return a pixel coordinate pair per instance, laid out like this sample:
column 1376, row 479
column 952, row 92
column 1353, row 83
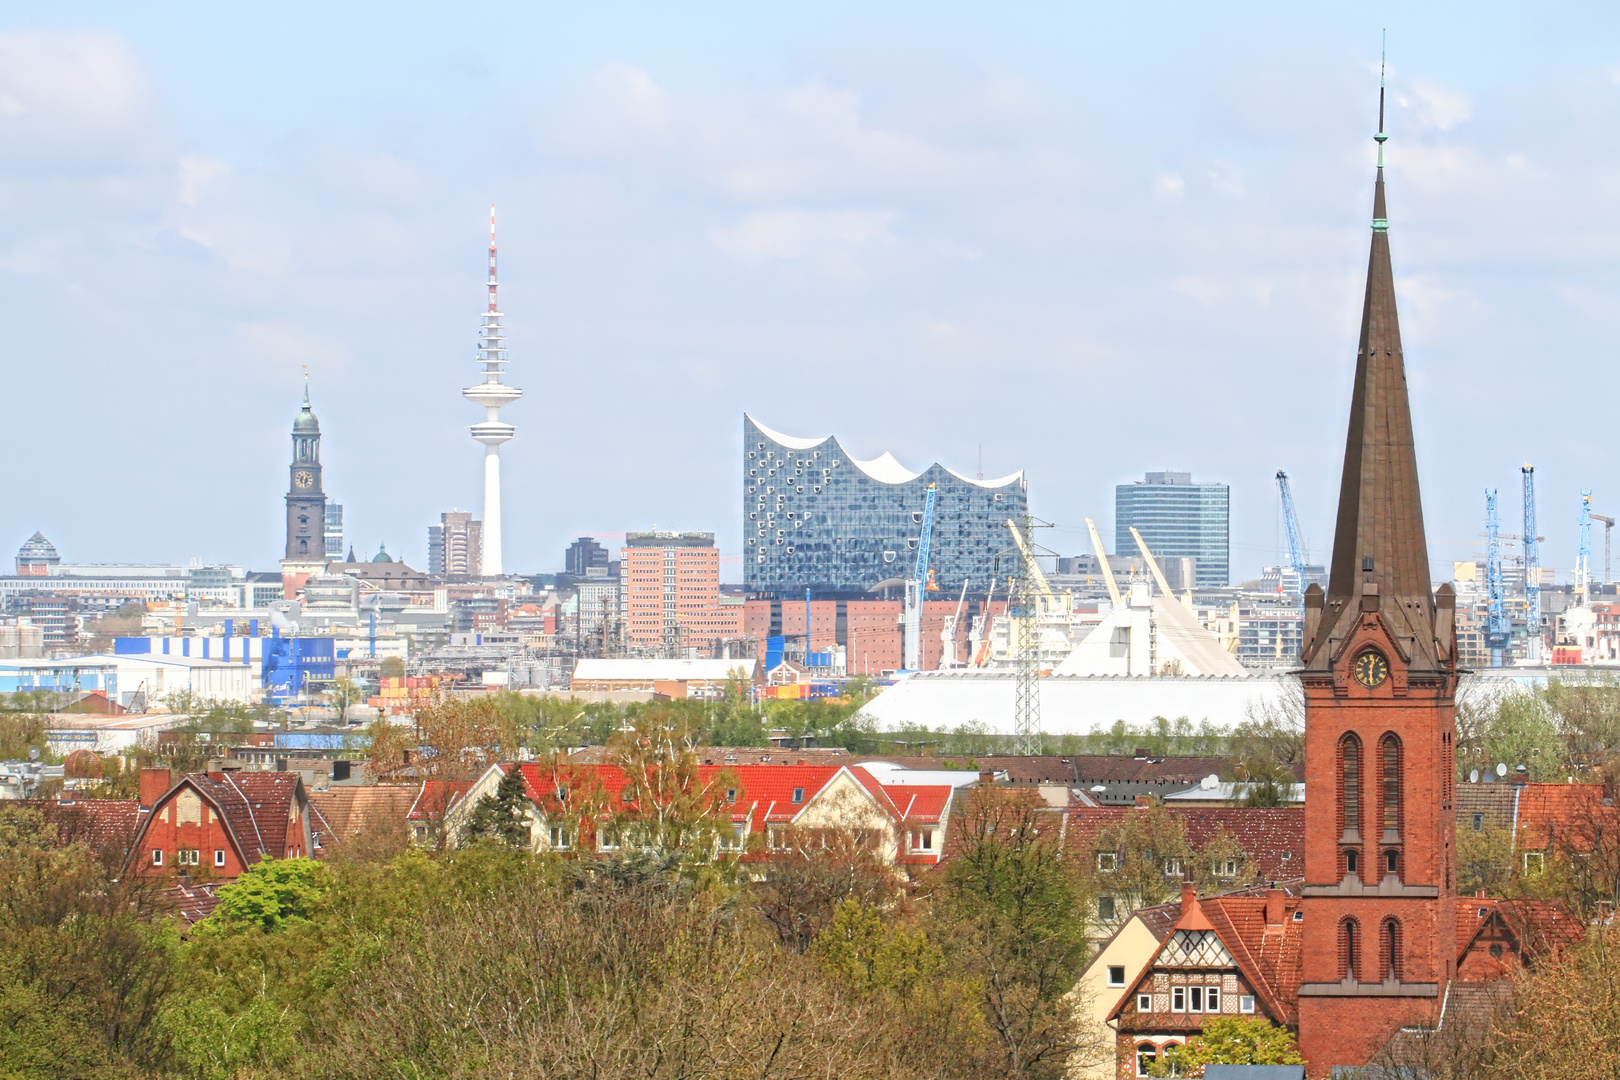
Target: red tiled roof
column 435, row 798
column 190, row 903
column 1272, row 837
column 1564, row 814
column 923, row 803
column 108, row 826
column 348, row 811
column 255, row 807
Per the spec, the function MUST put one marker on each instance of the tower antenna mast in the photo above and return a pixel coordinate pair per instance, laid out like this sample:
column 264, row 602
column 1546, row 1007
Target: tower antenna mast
column 491, row 394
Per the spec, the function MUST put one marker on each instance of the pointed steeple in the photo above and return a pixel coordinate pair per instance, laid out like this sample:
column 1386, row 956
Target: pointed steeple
column 1379, row 548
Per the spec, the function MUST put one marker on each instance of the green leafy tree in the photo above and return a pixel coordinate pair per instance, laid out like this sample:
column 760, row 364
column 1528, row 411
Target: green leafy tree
column 505, row 815
column 871, row 955
column 1230, row 1040
column 271, row 894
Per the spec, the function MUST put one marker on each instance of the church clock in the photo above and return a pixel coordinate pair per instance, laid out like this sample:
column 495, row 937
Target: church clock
column 1371, row 669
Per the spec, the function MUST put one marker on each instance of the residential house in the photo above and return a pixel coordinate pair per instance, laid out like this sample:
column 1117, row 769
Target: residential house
column 344, row 812
column 768, row 808
column 217, row 824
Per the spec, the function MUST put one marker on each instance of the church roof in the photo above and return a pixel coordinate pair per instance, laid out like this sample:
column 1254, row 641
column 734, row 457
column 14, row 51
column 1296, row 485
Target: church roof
column 1379, row 541
column 382, row 554
column 306, row 424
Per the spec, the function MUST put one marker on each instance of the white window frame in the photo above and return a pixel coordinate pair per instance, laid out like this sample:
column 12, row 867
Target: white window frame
column 1178, row 999
column 1144, row 1003
column 219, row 856
column 557, row 837
column 1107, row 861
column 1195, row 998
column 1540, row 862
column 157, row 856
column 1245, row 1003
column 1172, row 868
column 1141, row 1046
column 1112, row 981
column 798, row 796
column 1224, row 868
column 1212, row 999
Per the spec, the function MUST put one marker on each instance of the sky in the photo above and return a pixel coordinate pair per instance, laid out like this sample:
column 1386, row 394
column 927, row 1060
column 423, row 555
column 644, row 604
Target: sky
column 1082, row 240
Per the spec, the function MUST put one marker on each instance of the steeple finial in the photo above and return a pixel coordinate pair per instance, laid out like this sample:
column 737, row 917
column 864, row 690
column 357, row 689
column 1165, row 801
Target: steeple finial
column 1380, row 551
column 1383, row 67
column 306, row 386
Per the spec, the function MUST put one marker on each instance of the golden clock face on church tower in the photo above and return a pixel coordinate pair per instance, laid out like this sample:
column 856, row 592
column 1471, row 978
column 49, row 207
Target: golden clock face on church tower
column 303, row 478
column 1371, row 669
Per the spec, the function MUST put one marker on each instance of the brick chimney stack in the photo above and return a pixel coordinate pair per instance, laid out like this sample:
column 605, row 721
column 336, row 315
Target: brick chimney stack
column 1274, row 906
column 155, row 783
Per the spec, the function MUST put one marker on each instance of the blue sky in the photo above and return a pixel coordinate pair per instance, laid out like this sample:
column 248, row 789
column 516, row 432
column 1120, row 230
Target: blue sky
column 1094, row 240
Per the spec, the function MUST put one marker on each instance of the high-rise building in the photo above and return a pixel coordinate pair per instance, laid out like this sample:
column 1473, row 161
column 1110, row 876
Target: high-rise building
column 492, row 431
column 36, row 557
column 334, row 531
column 306, row 504
column 1178, row 519
column 814, row 517
column 585, row 558
column 455, row 545
column 669, row 594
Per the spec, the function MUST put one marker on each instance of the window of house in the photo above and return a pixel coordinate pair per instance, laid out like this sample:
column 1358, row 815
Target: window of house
column 1105, row 908
column 219, row 856
column 192, row 857
column 1225, row 867
column 1533, row 862
column 1144, row 1003
column 157, row 856
column 1172, row 868
column 731, row 795
column 1299, row 915
column 1195, row 998
column 1178, row 999
column 1246, row 1003
column 1146, row 1055
column 1116, row 975
column 1107, row 860
column 1212, row 999
column 1479, row 822
column 558, row 835
column 798, row 794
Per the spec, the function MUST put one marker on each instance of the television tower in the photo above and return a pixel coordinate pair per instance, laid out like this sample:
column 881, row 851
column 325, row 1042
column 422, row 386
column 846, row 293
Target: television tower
column 492, row 432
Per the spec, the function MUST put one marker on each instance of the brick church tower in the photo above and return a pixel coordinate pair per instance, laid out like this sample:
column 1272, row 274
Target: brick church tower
column 1379, row 674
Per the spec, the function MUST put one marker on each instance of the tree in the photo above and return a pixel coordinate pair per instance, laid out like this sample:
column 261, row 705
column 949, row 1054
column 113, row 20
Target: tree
column 271, row 894
column 344, row 692
column 1011, row 911
column 392, row 667
column 504, row 815
column 1230, row 1040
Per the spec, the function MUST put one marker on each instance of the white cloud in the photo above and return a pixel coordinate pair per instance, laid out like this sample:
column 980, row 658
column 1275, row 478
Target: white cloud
column 71, row 97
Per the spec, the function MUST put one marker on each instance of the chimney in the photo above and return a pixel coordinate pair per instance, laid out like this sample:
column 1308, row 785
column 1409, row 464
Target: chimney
column 155, row 783
column 1274, row 906
column 1189, row 897
column 1143, row 753
column 1143, row 802
column 987, row 777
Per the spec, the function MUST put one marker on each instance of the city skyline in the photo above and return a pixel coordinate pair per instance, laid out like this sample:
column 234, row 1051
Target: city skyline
column 658, row 285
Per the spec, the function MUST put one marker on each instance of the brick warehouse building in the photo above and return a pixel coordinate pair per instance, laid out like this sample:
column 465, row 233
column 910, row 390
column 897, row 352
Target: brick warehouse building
column 1374, row 943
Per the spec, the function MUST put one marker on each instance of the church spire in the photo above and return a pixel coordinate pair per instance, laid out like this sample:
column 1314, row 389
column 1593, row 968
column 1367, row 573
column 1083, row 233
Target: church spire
column 1379, row 546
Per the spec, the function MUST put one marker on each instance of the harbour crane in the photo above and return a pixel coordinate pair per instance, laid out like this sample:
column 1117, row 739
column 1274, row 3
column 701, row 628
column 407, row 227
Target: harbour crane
column 1296, row 544
column 1498, row 630
column 1532, row 569
column 1583, row 556
column 1102, row 563
column 918, row 583
column 1608, row 528
column 987, row 621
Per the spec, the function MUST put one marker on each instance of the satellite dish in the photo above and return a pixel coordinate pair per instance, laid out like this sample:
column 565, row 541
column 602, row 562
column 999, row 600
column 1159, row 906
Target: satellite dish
column 33, row 753
column 1473, row 776
column 1501, row 768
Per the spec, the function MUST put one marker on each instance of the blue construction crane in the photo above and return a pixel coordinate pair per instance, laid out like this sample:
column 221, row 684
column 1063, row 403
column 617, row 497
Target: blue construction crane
column 1296, row 545
column 919, row 584
column 1498, row 630
column 1532, row 569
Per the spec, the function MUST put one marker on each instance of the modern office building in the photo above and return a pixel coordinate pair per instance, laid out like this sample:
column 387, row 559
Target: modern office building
column 455, row 545
column 1178, row 519
column 334, row 530
column 669, row 595
column 814, row 517
column 585, row 558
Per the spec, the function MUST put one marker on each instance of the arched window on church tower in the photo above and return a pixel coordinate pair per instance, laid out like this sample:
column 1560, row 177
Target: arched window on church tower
column 1350, row 803
column 1389, row 755
column 1389, row 949
column 1349, row 948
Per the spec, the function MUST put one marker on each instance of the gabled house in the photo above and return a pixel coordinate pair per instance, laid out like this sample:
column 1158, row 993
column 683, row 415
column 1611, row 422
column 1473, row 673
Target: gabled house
column 218, row 824
column 769, row 808
column 1234, row 955
column 342, row 813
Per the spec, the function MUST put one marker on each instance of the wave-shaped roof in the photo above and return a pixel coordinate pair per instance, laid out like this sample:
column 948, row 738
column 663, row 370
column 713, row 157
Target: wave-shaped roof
column 884, row 468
